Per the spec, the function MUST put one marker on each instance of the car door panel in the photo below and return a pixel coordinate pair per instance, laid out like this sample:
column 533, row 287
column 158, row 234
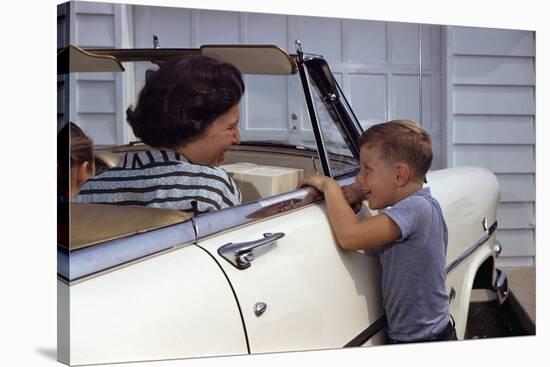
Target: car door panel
column 317, row 295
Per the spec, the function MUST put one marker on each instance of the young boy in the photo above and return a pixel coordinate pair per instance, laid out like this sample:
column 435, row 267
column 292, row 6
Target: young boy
column 409, row 233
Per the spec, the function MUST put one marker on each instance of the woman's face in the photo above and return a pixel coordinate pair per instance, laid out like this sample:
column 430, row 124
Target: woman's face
column 210, row 147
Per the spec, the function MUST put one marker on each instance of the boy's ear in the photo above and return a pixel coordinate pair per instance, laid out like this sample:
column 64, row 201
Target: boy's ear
column 403, row 174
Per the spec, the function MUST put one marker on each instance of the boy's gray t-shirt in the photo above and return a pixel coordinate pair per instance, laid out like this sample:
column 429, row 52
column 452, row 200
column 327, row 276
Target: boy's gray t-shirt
column 413, row 269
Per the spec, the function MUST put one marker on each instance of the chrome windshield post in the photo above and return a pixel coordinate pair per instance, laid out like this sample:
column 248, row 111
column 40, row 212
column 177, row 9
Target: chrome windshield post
column 315, row 123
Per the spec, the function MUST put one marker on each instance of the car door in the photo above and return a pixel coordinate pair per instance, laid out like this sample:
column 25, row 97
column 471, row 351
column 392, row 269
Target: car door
column 295, row 287
column 298, row 290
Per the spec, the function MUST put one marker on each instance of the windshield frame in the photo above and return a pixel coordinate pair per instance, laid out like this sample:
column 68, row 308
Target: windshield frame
column 315, row 73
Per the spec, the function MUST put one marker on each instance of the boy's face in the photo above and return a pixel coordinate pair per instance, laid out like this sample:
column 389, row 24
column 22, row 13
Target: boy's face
column 377, row 179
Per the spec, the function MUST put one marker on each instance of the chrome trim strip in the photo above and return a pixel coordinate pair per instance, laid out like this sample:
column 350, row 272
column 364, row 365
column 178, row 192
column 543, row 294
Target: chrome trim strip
column 488, row 233
column 222, row 220
column 90, row 260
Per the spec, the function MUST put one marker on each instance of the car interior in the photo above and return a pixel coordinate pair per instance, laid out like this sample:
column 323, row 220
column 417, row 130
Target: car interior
column 261, row 169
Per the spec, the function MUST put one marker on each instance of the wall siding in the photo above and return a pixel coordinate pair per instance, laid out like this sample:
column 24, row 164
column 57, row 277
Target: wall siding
column 490, row 129
column 492, row 42
column 490, row 110
column 495, row 100
column 375, row 63
column 477, row 70
column 509, row 184
column 497, row 158
column 93, row 94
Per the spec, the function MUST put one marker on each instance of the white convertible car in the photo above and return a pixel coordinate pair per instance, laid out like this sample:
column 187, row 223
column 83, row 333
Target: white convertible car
column 138, row 284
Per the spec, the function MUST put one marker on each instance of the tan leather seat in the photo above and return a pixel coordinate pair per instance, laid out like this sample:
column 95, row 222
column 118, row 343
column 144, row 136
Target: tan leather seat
column 95, row 223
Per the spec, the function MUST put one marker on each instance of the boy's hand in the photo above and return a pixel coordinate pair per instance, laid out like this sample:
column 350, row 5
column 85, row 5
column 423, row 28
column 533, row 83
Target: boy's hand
column 352, row 193
column 354, row 196
column 318, row 182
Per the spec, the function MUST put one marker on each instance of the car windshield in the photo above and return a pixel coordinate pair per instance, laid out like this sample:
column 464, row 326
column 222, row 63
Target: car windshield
column 339, row 126
column 274, row 112
column 335, row 144
column 274, row 109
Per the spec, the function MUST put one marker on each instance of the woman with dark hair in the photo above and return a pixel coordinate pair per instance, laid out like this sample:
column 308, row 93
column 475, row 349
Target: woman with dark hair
column 188, row 112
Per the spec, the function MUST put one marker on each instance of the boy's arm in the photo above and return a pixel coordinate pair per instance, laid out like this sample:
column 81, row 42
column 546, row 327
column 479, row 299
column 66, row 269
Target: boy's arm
column 351, row 232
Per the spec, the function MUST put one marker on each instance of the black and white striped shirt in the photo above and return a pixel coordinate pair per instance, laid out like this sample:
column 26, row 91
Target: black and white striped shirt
column 162, row 179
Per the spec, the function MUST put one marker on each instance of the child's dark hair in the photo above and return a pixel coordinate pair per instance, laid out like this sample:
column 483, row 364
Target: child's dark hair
column 401, row 141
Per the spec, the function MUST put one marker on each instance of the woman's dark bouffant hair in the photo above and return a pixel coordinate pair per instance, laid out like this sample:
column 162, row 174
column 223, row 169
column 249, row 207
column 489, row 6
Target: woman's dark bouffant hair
column 182, row 98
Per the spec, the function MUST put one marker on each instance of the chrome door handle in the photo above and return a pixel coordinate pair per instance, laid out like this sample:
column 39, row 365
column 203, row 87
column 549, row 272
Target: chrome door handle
column 240, row 255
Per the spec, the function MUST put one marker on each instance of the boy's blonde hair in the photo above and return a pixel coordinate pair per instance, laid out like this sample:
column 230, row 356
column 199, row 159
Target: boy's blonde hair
column 401, row 141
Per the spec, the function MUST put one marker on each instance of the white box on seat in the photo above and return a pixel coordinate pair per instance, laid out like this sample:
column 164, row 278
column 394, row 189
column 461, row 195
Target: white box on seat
column 258, row 181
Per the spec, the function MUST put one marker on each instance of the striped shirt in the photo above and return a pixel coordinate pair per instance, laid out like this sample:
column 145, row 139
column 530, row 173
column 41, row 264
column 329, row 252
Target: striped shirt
column 162, row 179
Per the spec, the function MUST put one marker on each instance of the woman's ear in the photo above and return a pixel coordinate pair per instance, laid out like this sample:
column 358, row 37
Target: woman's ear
column 403, row 174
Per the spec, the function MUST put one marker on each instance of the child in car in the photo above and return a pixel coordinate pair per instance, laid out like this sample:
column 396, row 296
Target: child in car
column 75, row 161
column 409, row 233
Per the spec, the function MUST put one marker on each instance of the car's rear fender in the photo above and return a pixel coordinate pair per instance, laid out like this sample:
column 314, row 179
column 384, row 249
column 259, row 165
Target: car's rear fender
column 176, row 304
